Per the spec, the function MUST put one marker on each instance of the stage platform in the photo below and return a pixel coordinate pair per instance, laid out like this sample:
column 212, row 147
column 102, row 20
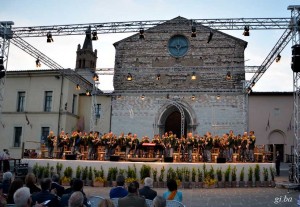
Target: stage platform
column 154, row 165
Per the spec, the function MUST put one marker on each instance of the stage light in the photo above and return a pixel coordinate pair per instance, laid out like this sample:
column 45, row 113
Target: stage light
column 210, row 36
column 158, row 77
column 278, row 58
column 77, row 87
column 37, row 63
column 142, row 35
column 193, row 77
column 218, row 97
column 193, row 97
column 49, row 37
column 228, row 76
column 129, row 77
column 95, row 36
column 2, row 69
column 95, row 77
column 246, row 31
column 143, row 97
column 193, row 31
column 88, row 93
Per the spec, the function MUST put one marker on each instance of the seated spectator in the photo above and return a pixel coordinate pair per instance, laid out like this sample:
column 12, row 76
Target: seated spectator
column 60, row 190
column 159, row 201
column 77, row 186
column 146, row 191
column 7, row 176
column 70, row 190
column 172, row 193
column 2, row 197
column 119, row 191
column 106, row 203
column 132, row 199
column 76, row 199
column 45, row 194
column 14, row 186
column 30, row 182
column 22, row 197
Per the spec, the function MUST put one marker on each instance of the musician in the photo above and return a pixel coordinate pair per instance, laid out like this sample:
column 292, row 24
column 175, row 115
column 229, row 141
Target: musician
column 122, row 142
column 172, row 141
column 182, row 147
column 166, row 142
column 159, row 146
column 252, row 140
column 128, row 144
column 190, row 145
column 135, row 144
column 230, row 145
column 50, row 144
column 144, row 150
column 208, row 146
column 61, row 143
column 201, row 143
column 112, row 144
column 91, row 146
column 244, row 144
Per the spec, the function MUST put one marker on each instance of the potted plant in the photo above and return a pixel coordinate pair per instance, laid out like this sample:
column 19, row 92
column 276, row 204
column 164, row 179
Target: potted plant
column 233, row 177
column 257, row 175
column 121, row 171
column 59, row 167
column 250, row 177
column 154, row 174
column 219, row 178
column 52, row 171
column 35, row 169
column 90, row 177
column 209, row 182
column 40, row 172
column 266, row 177
column 226, row 176
column 171, row 174
column 47, row 171
column 194, row 172
column 200, row 178
column 68, row 172
column 99, row 179
column 114, row 172
column 78, row 172
column 161, row 177
column 186, row 176
column 242, row 178
column 272, row 172
column 85, row 172
column 144, row 172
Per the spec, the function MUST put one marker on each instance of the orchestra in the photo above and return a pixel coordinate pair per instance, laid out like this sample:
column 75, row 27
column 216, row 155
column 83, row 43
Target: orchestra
column 227, row 145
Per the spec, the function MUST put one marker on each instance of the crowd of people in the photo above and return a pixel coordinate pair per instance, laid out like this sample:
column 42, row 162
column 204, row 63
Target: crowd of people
column 163, row 146
column 50, row 193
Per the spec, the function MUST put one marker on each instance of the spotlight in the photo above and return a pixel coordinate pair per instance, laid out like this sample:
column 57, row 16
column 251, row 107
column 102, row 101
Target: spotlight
column 142, row 31
column 210, row 36
column 218, row 97
column 129, row 77
column 228, row 76
column 95, row 36
column 193, row 97
column 77, row 87
column 37, row 63
column 193, row 31
column 246, row 31
column 143, row 97
column 2, row 69
column 193, row 77
column 158, row 77
column 95, row 77
column 49, row 37
column 87, row 93
column 278, row 58
column 119, row 97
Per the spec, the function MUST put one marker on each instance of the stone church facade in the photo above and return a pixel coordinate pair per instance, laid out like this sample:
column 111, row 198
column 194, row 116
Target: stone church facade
column 178, row 77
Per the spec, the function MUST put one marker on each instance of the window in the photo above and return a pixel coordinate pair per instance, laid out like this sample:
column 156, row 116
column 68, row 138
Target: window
column 45, row 133
column 17, row 136
column 21, row 101
column 48, row 101
column 98, row 110
column 74, row 104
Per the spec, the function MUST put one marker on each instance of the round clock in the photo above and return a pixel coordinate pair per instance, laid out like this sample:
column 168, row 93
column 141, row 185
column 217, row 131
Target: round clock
column 178, row 45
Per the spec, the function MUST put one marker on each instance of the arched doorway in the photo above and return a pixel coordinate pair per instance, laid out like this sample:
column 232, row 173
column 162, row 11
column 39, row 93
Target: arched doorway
column 277, row 143
column 173, row 123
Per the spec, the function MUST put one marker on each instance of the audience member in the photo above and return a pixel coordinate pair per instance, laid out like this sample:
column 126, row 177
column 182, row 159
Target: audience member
column 7, row 176
column 132, row 199
column 77, row 186
column 30, row 182
column 106, row 203
column 146, row 191
column 70, row 189
column 172, row 193
column 14, row 186
column 60, row 190
column 2, row 197
column 159, row 201
column 119, row 191
column 76, row 199
column 45, row 194
column 22, row 197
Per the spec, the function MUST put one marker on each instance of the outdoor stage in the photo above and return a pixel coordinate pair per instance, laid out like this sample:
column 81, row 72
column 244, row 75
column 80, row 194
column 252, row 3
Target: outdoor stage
column 154, row 165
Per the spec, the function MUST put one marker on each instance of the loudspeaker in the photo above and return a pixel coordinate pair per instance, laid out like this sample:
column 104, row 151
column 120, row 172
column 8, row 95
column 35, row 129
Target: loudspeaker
column 221, row 160
column 168, row 159
column 70, row 157
column 114, row 158
column 295, row 58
